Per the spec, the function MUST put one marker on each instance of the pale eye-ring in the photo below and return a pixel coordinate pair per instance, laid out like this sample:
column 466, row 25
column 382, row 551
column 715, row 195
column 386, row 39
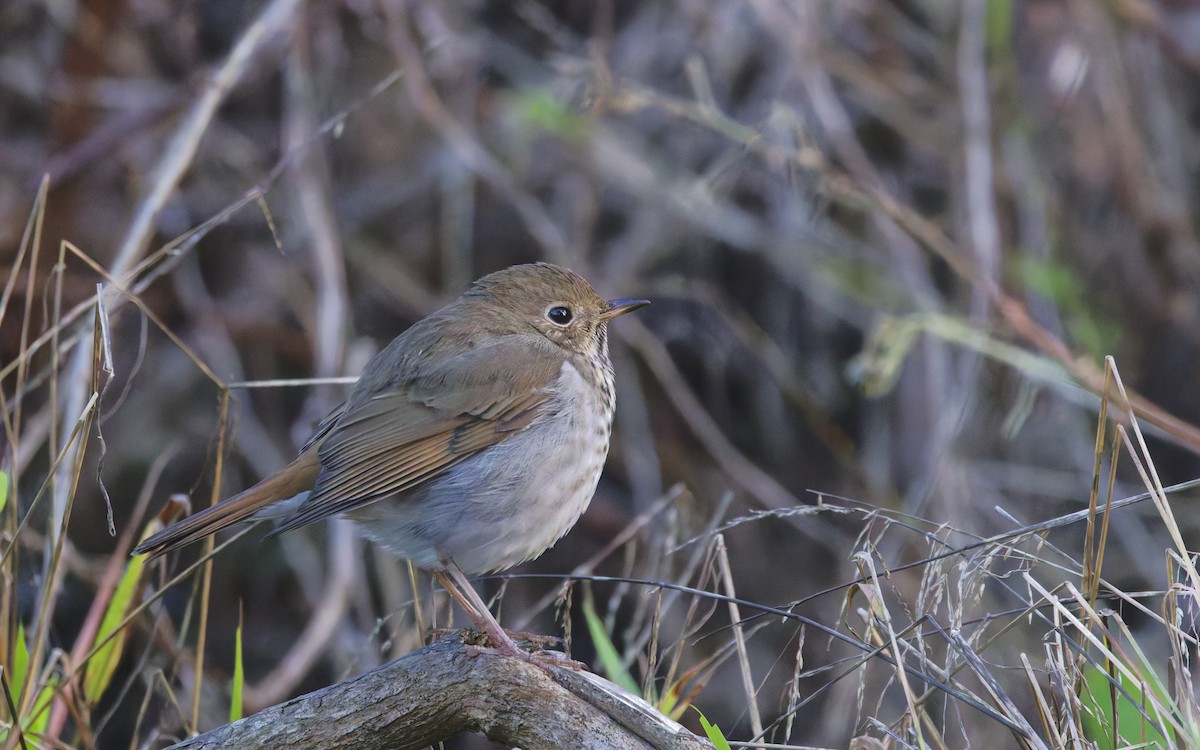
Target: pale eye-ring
column 559, row 315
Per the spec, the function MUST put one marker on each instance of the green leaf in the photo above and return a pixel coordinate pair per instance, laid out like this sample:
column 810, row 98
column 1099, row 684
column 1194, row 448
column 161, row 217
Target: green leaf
column 1087, row 326
column 713, row 732
column 877, row 368
column 539, row 110
column 239, row 676
column 104, row 662
column 1054, row 282
column 3, row 490
column 1132, row 728
column 606, row 652
column 998, row 25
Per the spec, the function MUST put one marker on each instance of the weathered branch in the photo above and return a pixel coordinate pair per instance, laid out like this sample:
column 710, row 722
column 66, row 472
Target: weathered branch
column 447, row 688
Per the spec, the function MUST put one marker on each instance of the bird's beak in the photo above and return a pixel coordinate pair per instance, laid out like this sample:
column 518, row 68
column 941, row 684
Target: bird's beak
column 618, row 307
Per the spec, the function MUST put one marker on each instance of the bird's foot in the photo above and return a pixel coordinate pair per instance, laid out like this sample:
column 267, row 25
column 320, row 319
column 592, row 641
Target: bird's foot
column 491, row 643
column 538, row 639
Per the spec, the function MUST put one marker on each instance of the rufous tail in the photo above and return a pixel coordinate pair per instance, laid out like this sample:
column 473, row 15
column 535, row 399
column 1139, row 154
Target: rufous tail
column 292, row 479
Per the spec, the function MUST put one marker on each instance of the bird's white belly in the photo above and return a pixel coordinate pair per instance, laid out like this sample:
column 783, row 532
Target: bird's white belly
column 510, row 502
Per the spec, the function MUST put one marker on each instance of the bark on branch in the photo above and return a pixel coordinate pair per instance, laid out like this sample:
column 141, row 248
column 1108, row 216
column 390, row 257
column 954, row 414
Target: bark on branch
column 446, row 688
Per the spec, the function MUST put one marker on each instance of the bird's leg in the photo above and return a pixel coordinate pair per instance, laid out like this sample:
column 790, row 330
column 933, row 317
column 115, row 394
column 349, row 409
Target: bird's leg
column 456, row 584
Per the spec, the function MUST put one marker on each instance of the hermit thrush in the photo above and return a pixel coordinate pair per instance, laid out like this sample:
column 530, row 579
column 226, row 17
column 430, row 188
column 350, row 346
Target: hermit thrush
column 471, row 443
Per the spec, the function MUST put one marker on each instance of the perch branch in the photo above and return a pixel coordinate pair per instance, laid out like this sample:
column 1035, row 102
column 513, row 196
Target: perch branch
column 449, row 687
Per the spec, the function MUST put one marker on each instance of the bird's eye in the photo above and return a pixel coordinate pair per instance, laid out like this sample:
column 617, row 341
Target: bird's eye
column 559, row 315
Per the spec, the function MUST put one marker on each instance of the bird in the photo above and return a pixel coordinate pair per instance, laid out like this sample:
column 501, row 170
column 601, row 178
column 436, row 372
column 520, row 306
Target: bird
column 469, row 444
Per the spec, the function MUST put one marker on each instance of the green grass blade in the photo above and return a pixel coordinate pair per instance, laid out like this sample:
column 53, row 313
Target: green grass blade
column 3, row 490
column 713, row 732
column 239, row 676
column 20, row 662
column 1132, row 727
column 39, row 719
column 669, row 700
column 606, row 652
column 104, row 662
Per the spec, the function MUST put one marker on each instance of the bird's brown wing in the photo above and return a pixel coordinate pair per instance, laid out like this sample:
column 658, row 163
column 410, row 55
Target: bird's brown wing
column 400, row 437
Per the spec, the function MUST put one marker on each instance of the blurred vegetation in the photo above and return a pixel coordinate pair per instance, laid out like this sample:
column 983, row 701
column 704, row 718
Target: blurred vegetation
column 889, row 245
